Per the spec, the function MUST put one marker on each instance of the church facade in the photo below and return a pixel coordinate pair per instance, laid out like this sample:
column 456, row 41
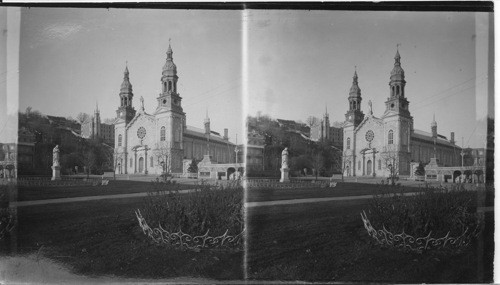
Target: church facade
column 379, row 146
column 160, row 141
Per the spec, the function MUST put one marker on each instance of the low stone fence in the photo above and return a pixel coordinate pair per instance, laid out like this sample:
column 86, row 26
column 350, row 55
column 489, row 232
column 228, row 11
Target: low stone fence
column 292, row 184
column 47, row 182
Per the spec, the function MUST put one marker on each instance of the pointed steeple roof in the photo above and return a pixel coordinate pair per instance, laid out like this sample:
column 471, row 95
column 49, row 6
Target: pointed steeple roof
column 355, row 91
column 397, row 72
column 169, row 68
column 434, row 124
column 126, row 86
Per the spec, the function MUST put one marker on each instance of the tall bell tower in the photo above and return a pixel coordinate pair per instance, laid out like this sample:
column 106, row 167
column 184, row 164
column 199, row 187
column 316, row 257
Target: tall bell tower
column 169, row 114
column 397, row 102
column 398, row 123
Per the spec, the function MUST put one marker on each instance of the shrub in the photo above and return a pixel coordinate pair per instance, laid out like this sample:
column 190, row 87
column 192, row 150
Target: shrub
column 436, row 210
column 215, row 208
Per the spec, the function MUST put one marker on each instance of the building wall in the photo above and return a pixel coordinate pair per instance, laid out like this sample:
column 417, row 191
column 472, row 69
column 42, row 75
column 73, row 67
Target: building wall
column 423, row 151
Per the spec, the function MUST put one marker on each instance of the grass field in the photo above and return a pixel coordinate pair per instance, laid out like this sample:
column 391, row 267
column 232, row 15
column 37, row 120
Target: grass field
column 103, row 238
column 323, row 241
column 342, row 189
column 114, row 187
column 327, row 242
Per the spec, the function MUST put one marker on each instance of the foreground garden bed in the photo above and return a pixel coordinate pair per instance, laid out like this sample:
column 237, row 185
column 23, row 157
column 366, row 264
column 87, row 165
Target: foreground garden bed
column 103, row 238
column 327, row 242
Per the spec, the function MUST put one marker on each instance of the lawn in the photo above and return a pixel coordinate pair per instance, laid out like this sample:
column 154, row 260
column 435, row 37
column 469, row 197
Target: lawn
column 327, row 242
column 114, row 187
column 323, row 241
column 103, row 238
column 342, row 189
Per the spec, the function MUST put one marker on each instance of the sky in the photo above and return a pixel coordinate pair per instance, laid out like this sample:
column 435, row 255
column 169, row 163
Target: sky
column 304, row 61
column 71, row 59
column 296, row 63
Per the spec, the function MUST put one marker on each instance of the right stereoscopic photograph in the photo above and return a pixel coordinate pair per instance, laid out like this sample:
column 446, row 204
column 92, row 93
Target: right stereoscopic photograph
column 370, row 146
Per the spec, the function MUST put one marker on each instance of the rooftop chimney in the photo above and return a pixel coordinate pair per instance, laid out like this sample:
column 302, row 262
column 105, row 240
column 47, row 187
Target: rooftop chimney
column 452, row 137
column 225, row 134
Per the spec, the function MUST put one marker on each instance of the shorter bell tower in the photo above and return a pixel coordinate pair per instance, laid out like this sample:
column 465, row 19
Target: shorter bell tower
column 354, row 115
column 126, row 111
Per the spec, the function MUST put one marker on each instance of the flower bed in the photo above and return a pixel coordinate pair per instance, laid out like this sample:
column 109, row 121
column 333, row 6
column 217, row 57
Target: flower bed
column 432, row 218
column 186, row 220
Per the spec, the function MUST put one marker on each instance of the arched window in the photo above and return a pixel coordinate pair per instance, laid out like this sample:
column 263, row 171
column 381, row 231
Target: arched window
column 162, row 133
column 348, row 143
column 397, row 90
column 379, row 164
column 119, row 140
column 170, row 86
column 151, row 162
column 390, row 137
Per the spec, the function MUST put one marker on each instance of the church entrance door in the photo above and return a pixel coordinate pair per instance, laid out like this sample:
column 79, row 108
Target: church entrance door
column 369, row 167
column 141, row 165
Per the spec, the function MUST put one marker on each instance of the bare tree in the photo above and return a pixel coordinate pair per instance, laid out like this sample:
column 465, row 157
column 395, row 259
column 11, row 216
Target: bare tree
column 391, row 163
column 89, row 160
column 109, row 121
column 342, row 161
column 317, row 162
column 162, row 153
column 82, row 117
column 312, row 121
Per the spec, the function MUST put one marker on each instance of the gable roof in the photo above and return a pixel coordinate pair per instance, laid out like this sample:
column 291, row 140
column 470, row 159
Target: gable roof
column 426, row 136
column 200, row 133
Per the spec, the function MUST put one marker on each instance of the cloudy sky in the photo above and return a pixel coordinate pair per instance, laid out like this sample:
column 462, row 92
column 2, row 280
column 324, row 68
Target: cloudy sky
column 304, row 60
column 72, row 58
column 298, row 62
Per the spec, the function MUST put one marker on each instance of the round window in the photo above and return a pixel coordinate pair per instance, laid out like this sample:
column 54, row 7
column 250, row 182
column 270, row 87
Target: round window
column 141, row 133
column 369, row 135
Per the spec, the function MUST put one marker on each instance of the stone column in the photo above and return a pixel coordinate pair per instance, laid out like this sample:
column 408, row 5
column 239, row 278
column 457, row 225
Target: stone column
column 135, row 160
column 374, row 163
column 125, row 162
column 363, row 166
column 145, row 159
column 353, row 165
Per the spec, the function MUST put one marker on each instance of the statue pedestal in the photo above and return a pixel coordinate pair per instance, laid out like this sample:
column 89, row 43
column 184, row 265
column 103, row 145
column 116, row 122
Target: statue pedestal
column 56, row 172
column 284, row 175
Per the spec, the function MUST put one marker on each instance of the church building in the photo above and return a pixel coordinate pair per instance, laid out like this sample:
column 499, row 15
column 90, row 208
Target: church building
column 92, row 128
column 374, row 145
column 160, row 141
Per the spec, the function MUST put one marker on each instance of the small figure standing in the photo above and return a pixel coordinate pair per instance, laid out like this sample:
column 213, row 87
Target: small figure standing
column 55, row 156
column 56, row 169
column 284, row 158
column 284, row 166
column 370, row 110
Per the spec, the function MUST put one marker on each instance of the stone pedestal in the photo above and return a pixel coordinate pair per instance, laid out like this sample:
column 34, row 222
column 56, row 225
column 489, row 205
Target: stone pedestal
column 56, row 172
column 284, row 175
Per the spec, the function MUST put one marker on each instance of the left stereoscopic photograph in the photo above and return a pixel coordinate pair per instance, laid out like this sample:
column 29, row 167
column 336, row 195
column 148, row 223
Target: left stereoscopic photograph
column 120, row 155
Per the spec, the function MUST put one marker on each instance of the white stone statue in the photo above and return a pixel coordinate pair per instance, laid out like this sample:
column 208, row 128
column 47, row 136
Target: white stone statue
column 284, row 158
column 55, row 156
